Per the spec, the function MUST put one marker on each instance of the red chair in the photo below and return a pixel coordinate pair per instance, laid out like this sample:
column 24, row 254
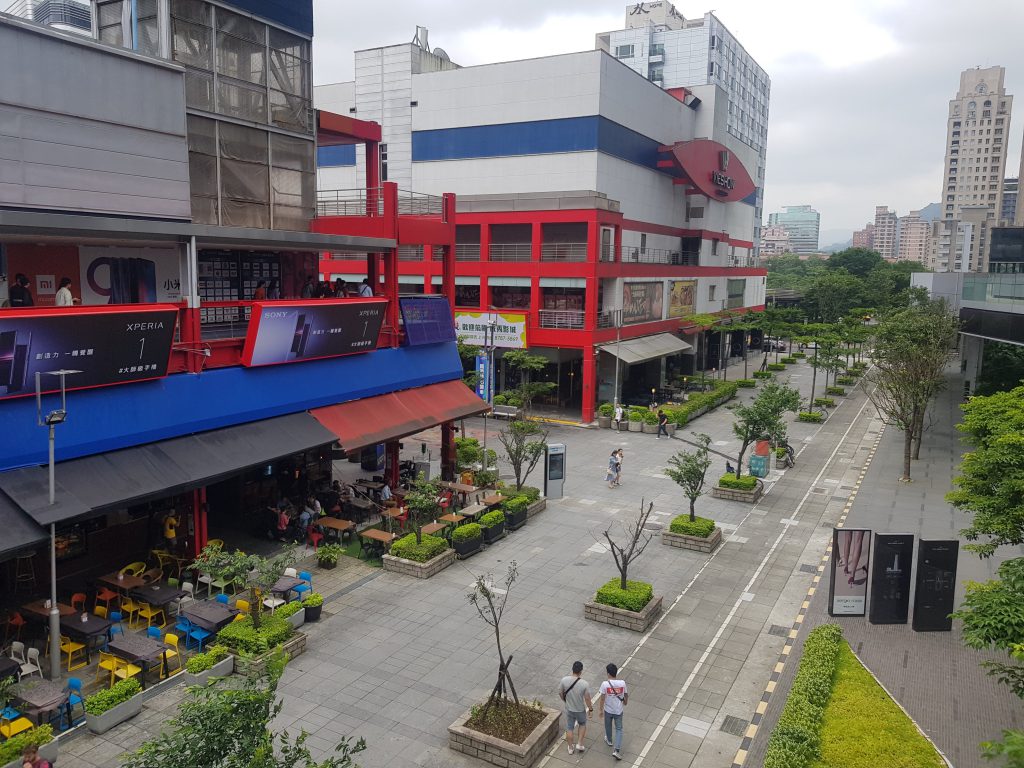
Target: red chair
column 314, row 537
column 78, row 601
column 104, row 596
column 15, row 623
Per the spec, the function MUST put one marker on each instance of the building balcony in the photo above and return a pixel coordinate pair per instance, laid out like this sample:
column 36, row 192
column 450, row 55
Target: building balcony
column 510, row 252
column 632, row 255
column 561, row 318
column 563, row 252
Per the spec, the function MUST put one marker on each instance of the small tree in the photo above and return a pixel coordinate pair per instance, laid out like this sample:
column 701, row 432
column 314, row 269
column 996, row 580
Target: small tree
column 528, row 365
column 763, row 417
column 258, row 574
column 490, row 605
column 524, row 443
column 422, row 503
column 635, row 542
column 228, row 726
column 689, row 469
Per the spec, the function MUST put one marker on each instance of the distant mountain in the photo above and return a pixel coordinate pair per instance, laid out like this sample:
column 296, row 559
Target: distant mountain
column 836, row 247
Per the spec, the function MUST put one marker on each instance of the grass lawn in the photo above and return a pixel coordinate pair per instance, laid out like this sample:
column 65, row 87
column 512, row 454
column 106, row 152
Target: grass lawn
column 863, row 727
column 352, row 550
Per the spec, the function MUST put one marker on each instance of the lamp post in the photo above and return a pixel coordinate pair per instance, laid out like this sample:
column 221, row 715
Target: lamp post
column 617, row 315
column 489, row 331
column 50, row 421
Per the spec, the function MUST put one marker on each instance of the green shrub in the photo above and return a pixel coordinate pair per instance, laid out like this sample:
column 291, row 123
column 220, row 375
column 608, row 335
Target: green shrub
column 289, row 609
column 467, row 532
column 429, row 548
column 859, row 365
column 741, row 483
column 746, row 383
column 681, row 414
column 204, row 661
column 516, row 505
column 762, row 374
column 11, row 749
column 811, row 417
column 492, row 519
column 835, row 391
column 328, row 554
column 799, row 355
column 776, row 366
column 845, row 381
column 485, row 478
column 780, row 453
column 109, row 698
column 853, row 373
column 531, row 493
column 634, row 598
column 701, row 527
column 312, row 600
column 650, row 418
column 825, row 402
column 795, row 741
column 606, row 409
column 636, row 415
column 787, row 360
column 500, row 400
column 242, row 638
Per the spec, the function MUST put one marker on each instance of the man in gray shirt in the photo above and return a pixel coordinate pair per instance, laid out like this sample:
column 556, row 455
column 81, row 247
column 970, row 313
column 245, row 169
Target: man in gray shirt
column 575, row 692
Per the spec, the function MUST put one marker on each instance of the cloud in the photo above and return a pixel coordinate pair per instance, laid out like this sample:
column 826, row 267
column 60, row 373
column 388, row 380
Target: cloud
column 859, row 87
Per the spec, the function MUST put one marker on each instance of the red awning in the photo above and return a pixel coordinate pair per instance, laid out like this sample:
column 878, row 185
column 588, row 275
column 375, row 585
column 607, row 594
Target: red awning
column 378, row 419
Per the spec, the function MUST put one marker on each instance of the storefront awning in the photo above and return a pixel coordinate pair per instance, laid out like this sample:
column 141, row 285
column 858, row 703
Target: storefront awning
column 644, row 348
column 133, row 475
column 19, row 531
column 395, row 415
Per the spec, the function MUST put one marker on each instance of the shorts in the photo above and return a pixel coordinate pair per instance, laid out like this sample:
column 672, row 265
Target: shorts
column 572, row 719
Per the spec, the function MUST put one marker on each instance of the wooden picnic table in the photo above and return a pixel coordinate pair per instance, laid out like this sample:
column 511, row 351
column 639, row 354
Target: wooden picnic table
column 431, row 528
column 493, row 499
column 379, row 540
column 473, row 510
column 459, row 487
column 452, row 517
column 209, row 614
column 139, row 648
column 125, row 583
column 392, row 512
column 38, row 609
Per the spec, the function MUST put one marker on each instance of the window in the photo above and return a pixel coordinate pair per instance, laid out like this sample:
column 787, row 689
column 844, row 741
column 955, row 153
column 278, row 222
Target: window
column 467, row 295
column 714, row 246
column 714, row 42
column 643, row 242
column 657, row 49
column 656, row 74
column 383, row 149
column 624, row 51
column 711, row 293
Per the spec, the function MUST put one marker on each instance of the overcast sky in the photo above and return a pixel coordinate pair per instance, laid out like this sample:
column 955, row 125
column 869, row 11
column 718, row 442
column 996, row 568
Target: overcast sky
column 859, row 88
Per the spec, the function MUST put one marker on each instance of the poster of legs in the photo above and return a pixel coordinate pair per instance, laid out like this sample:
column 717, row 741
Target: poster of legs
column 848, row 591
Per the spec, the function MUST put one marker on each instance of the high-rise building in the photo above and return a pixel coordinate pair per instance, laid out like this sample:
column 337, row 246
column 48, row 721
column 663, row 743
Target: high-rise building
column 1008, row 209
column 802, row 223
column 774, row 241
column 914, row 238
column 674, row 52
column 864, row 238
column 65, row 15
column 885, row 234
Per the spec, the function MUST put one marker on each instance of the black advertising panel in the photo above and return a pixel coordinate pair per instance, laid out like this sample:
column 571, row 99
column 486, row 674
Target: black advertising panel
column 105, row 345
column 290, row 331
column 426, row 319
column 848, row 588
column 936, row 585
column 890, row 578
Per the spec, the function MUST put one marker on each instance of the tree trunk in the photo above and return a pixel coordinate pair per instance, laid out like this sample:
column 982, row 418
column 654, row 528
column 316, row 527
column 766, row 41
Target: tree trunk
column 693, row 515
column 739, row 460
column 908, row 439
column 814, row 379
column 918, row 434
column 622, row 577
column 726, row 353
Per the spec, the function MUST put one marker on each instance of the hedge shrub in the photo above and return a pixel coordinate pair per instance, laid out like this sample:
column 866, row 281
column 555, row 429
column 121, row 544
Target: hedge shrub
column 606, row 409
column 516, row 505
column 853, row 373
column 204, row 661
column 650, row 418
column 109, row 698
column 835, row 391
column 811, row 417
column 500, row 400
column 762, row 374
column 429, row 548
column 467, row 532
column 634, row 598
column 776, row 366
column 492, row 519
column 701, row 527
column 11, row 749
column 796, row 739
column 799, row 355
column 741, row 483
column 845, row 381
column 531, row 493
column 746, row 383
column 681, row 414
column 242, row 638
column 288, row 609
column 787, row 360
column 825, row 402
column 636, row 415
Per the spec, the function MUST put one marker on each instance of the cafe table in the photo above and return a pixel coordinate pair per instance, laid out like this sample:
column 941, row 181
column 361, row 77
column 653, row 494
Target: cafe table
column 452, row 518
column 209, row 614
column 35, row 699
column 370, row 485
column 9, row 668
column 493, row 500
column 161, row 594
column 339, row 526
column 286, row 584
column 139, row 649
column 92, row 628
column 125, row 583
column 473, row 510
column 380, row 538
column 431, row 529
column 38, row 609
column 459, row 487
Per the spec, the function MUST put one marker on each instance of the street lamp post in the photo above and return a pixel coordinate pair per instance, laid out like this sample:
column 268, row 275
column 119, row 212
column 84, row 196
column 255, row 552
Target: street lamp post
column 50, row 421
column 489, row 331
column 617, row 314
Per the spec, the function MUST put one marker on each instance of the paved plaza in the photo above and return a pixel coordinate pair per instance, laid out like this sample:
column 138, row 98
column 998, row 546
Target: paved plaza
column 396, row 660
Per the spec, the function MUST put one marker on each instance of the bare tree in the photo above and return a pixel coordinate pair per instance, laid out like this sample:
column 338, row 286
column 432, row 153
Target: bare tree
column 636, row 541
column 491, row 607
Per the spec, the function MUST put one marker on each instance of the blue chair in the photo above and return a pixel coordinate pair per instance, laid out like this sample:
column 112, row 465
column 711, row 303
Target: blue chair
column 301, row 589
column 183, row 626
column 75, row 699
column 115, row 629
column 154, row 632
column 116, row 617
column 222, row 598
column 198, row 634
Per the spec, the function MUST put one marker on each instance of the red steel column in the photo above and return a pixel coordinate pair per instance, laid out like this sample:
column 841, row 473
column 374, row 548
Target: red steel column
column 372, row 178
column 448, row 451
column 391, row 291
column 391, row 450
column 589, row 383
column 448, row 274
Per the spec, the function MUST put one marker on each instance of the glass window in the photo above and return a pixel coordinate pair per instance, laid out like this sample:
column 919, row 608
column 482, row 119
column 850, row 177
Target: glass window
column 291, row 112
column 109, row 22
column 241, row 100
column 467, row 295
column 241, row 59
column 510, row 296
column 191, row 44
column 624, row 51
column 148, row 28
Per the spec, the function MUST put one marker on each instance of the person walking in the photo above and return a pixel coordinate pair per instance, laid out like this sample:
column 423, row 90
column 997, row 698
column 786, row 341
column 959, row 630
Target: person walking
column 662, row 425
column 64, row 297
column 575, row 692
column 611, row 477
column 19, row 293
column 260, row 294
column 618, row 466
column 614, row 698
column 365, row 291
column 618, row 416
column 308, row 288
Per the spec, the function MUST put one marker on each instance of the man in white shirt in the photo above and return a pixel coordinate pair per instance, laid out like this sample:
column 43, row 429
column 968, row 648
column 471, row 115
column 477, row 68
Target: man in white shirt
column 614, row 698
column 64, row 297
column 365, row 290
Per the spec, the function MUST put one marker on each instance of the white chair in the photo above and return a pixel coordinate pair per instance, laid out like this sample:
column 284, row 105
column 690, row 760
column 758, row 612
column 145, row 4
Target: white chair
column 291, row 572
column 32, row 665
column 18, row 652
column 273, row 602
column 188, row 597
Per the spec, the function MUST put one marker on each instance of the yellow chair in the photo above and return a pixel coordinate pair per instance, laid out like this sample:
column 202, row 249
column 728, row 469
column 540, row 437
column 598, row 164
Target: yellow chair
column 170, row 640
column 100, row 611
column 134, row 569
column 12, row 727
column 68, row 646
column 108, row 662
column 128, row 610
column 124, row 670
column 239, row 617
column 242, row 605
column 149, row 613
column 219, row 543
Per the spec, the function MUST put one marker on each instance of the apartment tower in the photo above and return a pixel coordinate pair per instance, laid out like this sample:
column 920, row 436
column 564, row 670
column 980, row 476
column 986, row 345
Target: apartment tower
column 802, row 223
column 914, row 238
column 885, row 233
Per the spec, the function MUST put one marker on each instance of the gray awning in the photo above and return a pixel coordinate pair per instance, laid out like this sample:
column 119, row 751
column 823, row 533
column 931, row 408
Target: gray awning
column 638, row 350
column 130, row 476
column 19, row 531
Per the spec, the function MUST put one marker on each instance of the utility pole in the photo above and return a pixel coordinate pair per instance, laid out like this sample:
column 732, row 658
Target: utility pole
column 617, row 314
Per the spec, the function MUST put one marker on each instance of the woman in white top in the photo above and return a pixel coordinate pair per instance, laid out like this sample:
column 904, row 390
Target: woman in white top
column 64, row 297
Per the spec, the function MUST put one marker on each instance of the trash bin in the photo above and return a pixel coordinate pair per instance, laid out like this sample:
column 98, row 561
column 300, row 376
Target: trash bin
column 759, row 466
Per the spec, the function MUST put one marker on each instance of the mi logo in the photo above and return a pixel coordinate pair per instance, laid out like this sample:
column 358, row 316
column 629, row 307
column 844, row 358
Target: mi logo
column 723, row 160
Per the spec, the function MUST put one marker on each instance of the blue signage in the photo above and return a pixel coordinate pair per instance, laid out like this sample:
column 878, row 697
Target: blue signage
column 483, row 377
column 427, row 320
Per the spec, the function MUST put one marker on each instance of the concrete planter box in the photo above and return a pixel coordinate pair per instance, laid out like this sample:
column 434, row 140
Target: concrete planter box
column 114, row 716
column 671, row 428
column 516, row 520
column 617, row 617
column 731, row 494
column 503, row 753
column 695, row 543
column 222, row 668
column 649, row 429
column 636, row 426
column 257, row 665
column 298, row 618
column 464, row 549
column 604, row 422
column 537, row 507
column 419, row 570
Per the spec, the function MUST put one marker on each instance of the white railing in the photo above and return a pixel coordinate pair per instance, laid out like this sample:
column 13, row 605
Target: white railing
column 562, row 318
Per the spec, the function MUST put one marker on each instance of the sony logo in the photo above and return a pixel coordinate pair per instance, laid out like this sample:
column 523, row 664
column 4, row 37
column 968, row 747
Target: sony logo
column 275, row 314
column 145, row 326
